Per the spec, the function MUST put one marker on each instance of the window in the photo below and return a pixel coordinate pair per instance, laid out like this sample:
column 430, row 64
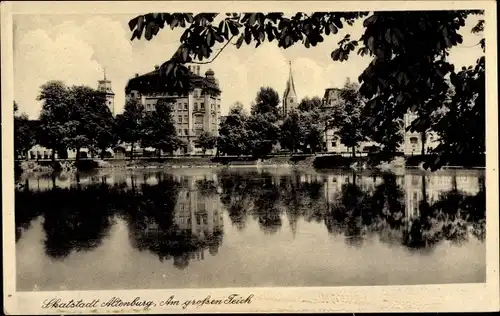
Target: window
column 202, row 106
column 185, row 106
column 179, row 106
column 195, row 93
column 186, row 132
column 218, row 106
column 196, row 106
column 198, row 119
column 413, row 140
column 186, row 119
column 334, row 144
column 180, row 118
column 179, row 132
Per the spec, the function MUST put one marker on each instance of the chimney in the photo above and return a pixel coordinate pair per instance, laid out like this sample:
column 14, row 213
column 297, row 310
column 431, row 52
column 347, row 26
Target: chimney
column 157, row 67
column 136, row 75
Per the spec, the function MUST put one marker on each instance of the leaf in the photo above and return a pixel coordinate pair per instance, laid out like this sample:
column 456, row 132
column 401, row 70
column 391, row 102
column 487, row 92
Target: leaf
column 333, row 28
column 239, row 41
column 133, row 23
column 388, row 37
column 370, row 20
column 371, row 44
column 233, row 28
column 336, row 54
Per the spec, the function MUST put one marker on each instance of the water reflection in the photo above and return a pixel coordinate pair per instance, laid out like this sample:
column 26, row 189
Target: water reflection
column 179, row 216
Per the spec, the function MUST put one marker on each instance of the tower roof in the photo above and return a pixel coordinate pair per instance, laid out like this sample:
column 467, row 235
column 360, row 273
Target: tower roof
column 290, row 86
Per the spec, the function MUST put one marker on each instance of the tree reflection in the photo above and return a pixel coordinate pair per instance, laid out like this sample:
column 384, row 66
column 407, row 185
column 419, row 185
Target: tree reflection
column 77, row 221
column 357, row 212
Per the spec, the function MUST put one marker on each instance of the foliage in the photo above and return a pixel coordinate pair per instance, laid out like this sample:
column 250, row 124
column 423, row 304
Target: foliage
column 233, row 136
column 291, row 135
column 207, row 141
column 24, row 133
column 347, row 117
column 302, row 131
column 462, row 129
column 55, row 121
column 74, row 117
column 309, row 104
column 266, row 101
column 159, row 129
column 130, row 123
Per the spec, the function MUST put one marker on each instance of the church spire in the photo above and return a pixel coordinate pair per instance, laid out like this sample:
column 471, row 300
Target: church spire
column 290, row 78
column 290, row 96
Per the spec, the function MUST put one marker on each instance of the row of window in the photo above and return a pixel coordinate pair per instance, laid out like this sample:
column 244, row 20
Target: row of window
column 185, row 131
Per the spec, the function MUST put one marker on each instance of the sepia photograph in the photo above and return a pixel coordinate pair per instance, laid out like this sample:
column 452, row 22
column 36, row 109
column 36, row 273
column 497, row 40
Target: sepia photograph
column 220, row 156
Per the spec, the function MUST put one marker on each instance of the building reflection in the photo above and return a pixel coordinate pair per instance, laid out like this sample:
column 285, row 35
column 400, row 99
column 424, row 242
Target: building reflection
column 196, row 223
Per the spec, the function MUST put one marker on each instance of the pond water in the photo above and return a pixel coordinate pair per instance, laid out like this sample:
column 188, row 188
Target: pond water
column 248, row 227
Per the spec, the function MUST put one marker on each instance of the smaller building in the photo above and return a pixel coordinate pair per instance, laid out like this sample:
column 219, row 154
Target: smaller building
column 104, row 86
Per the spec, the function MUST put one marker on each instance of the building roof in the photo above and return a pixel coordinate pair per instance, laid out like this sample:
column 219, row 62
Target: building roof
column 290, row 85
column 329, row 90
column 153, row 81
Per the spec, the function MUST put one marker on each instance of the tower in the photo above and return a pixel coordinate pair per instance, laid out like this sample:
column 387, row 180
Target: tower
column 104, row 86
column 290, row 96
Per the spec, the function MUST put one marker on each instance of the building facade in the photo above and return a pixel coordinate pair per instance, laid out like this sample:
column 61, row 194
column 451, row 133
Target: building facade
column 194, row 113
column 290, row 101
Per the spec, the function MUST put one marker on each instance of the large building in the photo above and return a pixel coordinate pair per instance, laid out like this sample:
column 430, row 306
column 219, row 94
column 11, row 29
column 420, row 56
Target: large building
column 290, row 101
column 194, row 113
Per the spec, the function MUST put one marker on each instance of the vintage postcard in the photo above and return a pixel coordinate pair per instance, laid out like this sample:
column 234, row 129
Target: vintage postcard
column 249, row 156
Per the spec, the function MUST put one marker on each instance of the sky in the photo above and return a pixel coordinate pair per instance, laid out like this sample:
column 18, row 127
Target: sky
column 77, row 48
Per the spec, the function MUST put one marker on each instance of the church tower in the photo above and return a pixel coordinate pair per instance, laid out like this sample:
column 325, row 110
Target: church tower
column 104, row 86
column 290, row 96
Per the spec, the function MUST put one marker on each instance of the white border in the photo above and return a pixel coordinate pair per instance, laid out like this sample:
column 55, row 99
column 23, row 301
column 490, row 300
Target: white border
column 428, row 298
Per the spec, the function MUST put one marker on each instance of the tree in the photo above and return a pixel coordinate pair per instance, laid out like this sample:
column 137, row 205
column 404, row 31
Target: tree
column 233, row 136
column 292, row 132
column 207, row 141
column 347, row 118
column 262, row 126
column 130, row 124
column 263, row 134
column 266, row 101
column 313, row 128
column 309, row 104
column 90, row 121
column 409, row 50
column 159, row 129
column 24, row 133
column 55, row 121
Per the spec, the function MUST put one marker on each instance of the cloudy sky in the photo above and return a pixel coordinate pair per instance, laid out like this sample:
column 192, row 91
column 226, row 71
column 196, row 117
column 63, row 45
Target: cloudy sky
column 76, row 48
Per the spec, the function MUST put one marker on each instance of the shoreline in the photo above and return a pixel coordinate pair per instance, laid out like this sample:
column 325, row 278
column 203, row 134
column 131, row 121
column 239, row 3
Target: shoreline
column 316, row 162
